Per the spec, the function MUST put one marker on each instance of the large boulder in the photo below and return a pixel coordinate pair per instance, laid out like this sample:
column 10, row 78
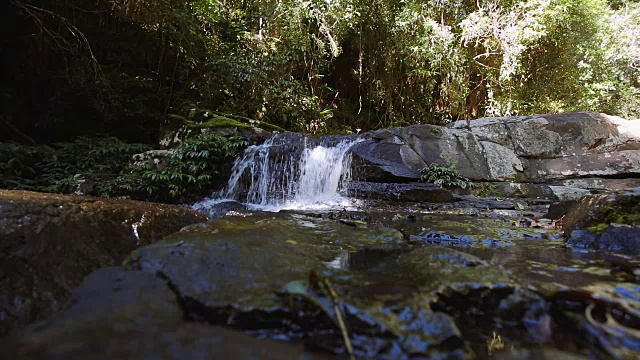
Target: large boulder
column 51, row 242
column 527, row 149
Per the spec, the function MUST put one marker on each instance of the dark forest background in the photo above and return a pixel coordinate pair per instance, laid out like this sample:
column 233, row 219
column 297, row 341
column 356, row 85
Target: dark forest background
column 121, row 67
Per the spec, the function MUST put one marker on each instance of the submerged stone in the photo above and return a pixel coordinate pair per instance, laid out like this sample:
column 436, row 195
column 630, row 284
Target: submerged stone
column 605, row 315
column 538, row 354
column 184, row 341
column 239, row 263
column 434, row 238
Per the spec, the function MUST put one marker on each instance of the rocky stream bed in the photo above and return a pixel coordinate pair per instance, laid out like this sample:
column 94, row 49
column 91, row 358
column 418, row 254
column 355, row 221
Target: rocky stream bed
column 396, row 281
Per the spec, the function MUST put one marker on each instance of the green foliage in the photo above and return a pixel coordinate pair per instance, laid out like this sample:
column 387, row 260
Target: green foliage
column 444, row 176
column 52, row 168
column 18, row 165
column 324, row 66
column 191, row 169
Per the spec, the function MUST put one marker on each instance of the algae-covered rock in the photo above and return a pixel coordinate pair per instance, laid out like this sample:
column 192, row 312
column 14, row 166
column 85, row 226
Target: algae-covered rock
column 607, row 222
column 620, row 208
column 239, row 263
column 53, row 241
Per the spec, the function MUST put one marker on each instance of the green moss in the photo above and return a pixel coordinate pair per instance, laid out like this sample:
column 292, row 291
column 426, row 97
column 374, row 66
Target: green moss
column 625, row 210
column 199, row 119
column 177, row 119
column 218, row 122
column 269, row 126
column 486, row 190
column 598, row 229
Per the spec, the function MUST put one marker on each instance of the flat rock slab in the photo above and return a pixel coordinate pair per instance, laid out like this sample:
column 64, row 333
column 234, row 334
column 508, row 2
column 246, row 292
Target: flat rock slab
column 118, row 314
column 239, row 263
column 51, row 242
column 262, row 273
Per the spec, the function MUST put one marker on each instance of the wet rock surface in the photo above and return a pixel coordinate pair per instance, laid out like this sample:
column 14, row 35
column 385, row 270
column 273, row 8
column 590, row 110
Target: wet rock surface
column 618, row 238
column 396, row 281
column 51, row 242
column 127, row 315
column 409, row 192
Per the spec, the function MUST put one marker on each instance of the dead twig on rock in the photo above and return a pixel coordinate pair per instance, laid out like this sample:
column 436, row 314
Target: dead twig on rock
column 328, row 289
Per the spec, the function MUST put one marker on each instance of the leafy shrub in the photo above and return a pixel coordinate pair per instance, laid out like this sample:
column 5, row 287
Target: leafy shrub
column 444, row 176
column 18, row 165
column 103, row 156
column 51, row 168
column 191, row 169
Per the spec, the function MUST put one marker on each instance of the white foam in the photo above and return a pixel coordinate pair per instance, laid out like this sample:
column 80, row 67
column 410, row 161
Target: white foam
column 268, row 177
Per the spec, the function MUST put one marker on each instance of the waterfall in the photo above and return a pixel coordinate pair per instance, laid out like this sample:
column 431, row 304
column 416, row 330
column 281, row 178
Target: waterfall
column 290, row 171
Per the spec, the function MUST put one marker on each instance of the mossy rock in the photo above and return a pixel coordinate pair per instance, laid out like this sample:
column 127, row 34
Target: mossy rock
column 624, row 209
column 200, row 120
column 177, row 124
column 598, row 211
column 610, row 223
column 217, row 122
column 598, row 228
column 268, row 126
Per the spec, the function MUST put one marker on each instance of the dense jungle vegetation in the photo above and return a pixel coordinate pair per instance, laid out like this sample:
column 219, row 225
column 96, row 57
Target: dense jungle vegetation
column 130, row 68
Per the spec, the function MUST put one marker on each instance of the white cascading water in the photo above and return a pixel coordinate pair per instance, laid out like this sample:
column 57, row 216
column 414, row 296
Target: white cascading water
column 286, row 172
